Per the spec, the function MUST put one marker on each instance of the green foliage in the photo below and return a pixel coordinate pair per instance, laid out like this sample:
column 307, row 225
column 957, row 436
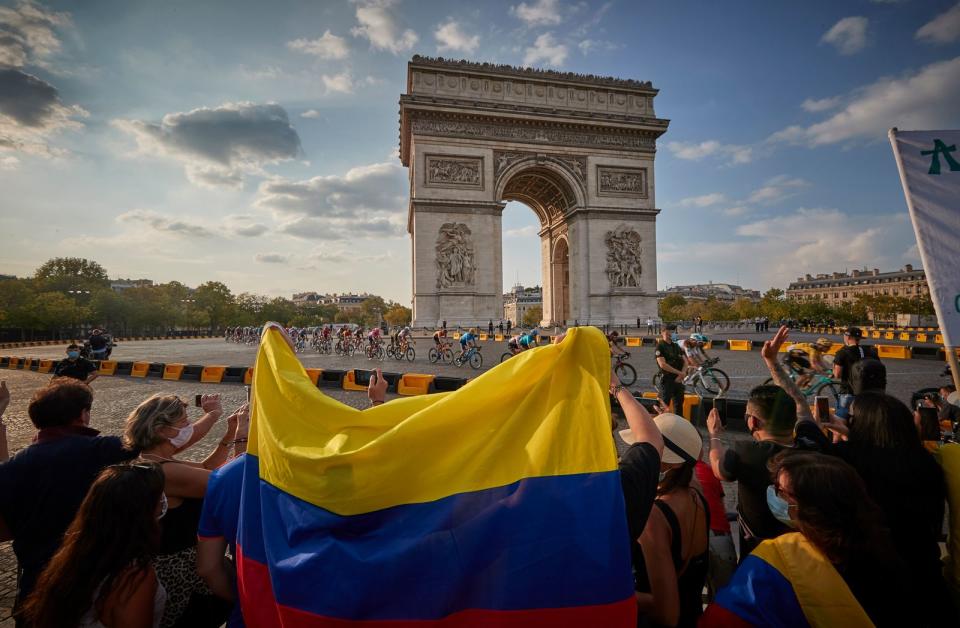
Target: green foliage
column 398, row 315
column 533, row 316
column 71, row 273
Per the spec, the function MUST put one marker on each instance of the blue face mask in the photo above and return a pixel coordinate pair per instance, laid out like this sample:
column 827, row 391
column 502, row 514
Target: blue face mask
column 73, row 355
column 675, row 337
column 779, row 507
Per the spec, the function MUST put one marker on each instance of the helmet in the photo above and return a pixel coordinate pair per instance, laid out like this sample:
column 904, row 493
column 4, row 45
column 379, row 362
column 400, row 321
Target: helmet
column 797, row 352
column 701, row 338
column 823, row 343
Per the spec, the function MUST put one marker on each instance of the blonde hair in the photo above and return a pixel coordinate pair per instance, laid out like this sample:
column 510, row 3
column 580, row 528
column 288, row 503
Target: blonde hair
column 143, row 425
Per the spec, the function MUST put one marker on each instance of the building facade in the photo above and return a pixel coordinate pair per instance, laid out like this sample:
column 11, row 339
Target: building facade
column 725, row 292
column 343, row 302
column 837, row 288
column 519, row 300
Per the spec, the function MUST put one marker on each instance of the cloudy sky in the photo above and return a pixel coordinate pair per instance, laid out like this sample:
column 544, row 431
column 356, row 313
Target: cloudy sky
column 256, row 143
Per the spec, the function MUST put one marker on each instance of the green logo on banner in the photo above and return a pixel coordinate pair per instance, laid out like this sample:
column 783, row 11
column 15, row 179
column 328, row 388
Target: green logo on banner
column 939, row 148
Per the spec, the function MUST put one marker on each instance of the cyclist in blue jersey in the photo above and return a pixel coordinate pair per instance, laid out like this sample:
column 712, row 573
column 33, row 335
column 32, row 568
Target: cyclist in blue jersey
column 468, row 340
column 529, row 338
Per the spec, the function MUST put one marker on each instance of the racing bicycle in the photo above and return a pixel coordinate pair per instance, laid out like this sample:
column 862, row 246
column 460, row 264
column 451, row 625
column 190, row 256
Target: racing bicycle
column 471, row 356
column 706, row 379
column 444, row 354
column 625, row 372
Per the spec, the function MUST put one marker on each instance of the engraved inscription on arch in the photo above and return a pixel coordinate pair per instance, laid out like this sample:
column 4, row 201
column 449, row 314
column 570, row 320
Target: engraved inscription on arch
column 614, row 181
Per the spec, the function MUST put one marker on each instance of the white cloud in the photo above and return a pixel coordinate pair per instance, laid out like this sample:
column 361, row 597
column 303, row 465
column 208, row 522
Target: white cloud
column 925, row 99
column 705, row 200
column 268, row 72
column 164, row 224
column 341, row 83
column 522, row 232
column 270, row 258
column 9, row 163
column 777, row 189
column 849, row 35
column 367, row 201
column 219, row 145
column 245, row 226
column 452, row 38
column 589, row 46
column 327, row 46
column 311, row 113
column 734, row 153
column 737, row 210
column 539, row 13
column 27, row 34
column 378, row 26
column 546, row 51
column 822, row 104
column 943, row 29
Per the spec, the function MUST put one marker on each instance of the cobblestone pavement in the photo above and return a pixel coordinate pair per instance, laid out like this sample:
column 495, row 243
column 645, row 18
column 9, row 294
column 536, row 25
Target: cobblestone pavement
column 115, row 397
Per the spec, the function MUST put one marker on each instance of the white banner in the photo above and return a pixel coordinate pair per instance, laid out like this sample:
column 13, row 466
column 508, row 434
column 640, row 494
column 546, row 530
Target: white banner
column 929, row 163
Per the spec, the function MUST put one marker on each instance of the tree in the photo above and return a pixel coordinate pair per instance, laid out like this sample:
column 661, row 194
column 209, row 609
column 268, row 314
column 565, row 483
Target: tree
column 280, row 310
column 371, row 311
column 53, row 312
column 71, row 273
column 398, row 315
column 215, row 299
column 671, row 307
column 533, row 316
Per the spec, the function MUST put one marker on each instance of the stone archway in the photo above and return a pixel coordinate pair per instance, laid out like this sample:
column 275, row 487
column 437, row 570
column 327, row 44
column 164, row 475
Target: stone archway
column 578, row 150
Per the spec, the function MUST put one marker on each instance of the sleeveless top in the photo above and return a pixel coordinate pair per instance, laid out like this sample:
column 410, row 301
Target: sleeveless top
column 691, row 581
column 89, row 619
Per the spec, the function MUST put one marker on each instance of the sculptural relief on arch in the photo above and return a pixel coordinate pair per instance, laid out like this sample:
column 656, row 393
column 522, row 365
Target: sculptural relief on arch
column 578, row 150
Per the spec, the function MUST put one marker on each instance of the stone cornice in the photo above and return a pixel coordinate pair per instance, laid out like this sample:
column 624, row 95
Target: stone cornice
column 525, row 130
column 494, row 69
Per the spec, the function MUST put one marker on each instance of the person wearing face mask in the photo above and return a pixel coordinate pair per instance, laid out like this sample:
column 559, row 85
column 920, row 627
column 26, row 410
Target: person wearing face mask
column 670, row 362
column 159, row 428
column 674, row 544
column 43, row 485
column 76, row 367
column 838, row 565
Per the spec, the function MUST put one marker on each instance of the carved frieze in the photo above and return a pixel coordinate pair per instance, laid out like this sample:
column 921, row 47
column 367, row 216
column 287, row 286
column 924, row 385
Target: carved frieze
column 615, row 181
column 454, row 171
column 577, row 165
column 624, row 269
column 503, row 160
column 456, row 263
column 505, row 130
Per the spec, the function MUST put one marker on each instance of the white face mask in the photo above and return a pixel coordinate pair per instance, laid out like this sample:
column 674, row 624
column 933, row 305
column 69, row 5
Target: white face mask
column 182, row 437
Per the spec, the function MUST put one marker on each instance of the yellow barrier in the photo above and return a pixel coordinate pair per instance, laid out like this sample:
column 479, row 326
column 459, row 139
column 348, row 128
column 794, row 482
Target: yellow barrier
column 212, row 374
column 349, row 383
column 649, row 395
column 938, row 339
column 45, row 366
column 108, row 367
column 689, row 403
column 414, row 384
column 921, row 337
column 739, row 345
column 173, row 371
column 456, row 336
column 708, row 345
column 314, row 375
column 248, row 376
column 894, row 351
column 875, row 334
column 499, row 337
column 904, row 335
column 14, row 362
column 888, row 335
column 634, row 342
column 140, row 369
column 483, row 337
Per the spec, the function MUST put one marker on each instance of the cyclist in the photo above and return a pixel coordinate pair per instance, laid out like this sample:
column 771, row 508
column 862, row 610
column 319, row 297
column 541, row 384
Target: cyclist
column 468, row 340
column 798, row 361
column 613, row 339
column 531, row 337
column 693, row 351
column 373, row 338
column 403, row 337
column 440, row 339
column 817, row 351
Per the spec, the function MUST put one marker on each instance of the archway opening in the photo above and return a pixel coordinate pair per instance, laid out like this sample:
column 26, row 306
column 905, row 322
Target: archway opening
column 549, row 197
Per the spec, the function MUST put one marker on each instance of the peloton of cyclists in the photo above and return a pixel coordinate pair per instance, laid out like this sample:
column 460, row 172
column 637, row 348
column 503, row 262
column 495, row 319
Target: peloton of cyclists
column 522, row 342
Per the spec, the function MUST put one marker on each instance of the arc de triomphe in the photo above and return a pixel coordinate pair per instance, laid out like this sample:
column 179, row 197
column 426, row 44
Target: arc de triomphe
column 577, row 149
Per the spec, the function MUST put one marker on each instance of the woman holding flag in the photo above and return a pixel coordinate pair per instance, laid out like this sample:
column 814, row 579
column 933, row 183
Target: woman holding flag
column 839, row 569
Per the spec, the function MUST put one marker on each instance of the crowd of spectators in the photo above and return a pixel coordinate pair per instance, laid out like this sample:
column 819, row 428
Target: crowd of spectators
column 124, row 531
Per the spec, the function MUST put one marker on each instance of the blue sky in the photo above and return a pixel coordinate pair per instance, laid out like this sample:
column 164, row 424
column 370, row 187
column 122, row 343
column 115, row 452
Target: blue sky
column 255, row 143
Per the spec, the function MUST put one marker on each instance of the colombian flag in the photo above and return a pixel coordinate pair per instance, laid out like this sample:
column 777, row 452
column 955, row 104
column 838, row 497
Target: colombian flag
column 495, row 505
column 786, row 582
